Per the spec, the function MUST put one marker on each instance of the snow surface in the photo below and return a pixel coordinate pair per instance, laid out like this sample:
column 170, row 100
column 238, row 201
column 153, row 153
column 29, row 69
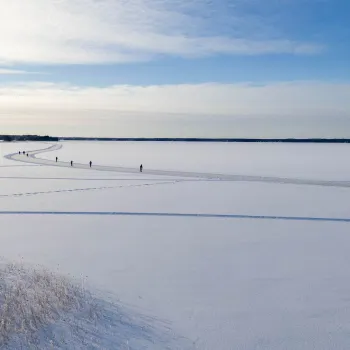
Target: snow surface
column 145, row 241
column 314, row 161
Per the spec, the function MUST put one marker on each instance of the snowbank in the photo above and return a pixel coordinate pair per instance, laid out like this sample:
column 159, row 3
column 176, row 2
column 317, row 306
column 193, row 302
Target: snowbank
column 43, row 310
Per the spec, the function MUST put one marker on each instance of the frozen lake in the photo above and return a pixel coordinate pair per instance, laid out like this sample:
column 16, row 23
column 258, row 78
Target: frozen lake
column 227, row 264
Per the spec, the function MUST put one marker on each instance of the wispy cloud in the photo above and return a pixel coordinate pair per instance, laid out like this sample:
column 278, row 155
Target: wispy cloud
column 291, row 99
column 5, row 71
column 105, row 31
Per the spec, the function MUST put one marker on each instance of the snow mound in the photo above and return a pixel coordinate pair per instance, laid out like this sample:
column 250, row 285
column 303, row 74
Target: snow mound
column 43, row 310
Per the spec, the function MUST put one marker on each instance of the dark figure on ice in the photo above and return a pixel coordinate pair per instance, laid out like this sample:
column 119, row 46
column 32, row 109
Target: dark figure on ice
column 27, row 155
column 19, row 152
column 141, row 167
column 71, row 163
column 24, row 152
column 56, row 159
column 90, row 163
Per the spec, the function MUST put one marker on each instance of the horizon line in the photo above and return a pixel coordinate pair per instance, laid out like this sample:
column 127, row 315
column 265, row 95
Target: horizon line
column 33, row 137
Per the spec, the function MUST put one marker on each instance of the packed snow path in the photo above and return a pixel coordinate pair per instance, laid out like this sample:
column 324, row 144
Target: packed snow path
column 31, row 158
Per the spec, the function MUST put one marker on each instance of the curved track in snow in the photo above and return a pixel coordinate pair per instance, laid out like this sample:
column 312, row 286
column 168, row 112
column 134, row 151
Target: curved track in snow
column 31, row 158
column 186, row 215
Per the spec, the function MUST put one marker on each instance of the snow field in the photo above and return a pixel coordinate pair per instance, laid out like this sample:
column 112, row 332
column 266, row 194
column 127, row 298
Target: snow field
column 195, row 282
column 305, row 161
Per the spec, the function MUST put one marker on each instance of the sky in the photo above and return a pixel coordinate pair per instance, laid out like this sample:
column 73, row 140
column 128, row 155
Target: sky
column 175, row 68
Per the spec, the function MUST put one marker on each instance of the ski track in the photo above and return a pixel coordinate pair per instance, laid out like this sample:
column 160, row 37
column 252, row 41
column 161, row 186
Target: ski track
column 18, row 165
column 86, row 189
column 186, row 215
column 198, row 175
column 88, row 178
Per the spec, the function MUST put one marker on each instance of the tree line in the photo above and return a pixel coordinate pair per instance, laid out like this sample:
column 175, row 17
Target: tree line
column 10, row 138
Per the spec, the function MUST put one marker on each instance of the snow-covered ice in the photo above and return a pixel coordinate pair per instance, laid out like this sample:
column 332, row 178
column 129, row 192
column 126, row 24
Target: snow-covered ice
column 216, row 282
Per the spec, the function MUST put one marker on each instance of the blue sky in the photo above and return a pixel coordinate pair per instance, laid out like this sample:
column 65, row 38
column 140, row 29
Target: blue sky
column 245, row 63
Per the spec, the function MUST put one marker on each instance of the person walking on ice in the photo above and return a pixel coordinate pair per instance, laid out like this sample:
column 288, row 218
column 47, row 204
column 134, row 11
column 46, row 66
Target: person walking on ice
column 141, row 167
column 71, row 163
column 90, row 163
column 56, row 159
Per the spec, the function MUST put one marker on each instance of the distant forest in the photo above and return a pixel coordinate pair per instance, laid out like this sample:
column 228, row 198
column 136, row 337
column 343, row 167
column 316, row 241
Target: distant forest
column 10, row 138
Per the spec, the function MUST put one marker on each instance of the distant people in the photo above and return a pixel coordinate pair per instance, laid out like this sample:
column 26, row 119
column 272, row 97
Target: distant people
column 24, row 152
column 141, row 167
column 71, row 163
column 19, row 152
column 27, row 155
column 56, row 159
column 90, row 163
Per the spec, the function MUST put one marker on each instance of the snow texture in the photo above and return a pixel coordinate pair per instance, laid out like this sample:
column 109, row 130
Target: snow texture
column 43, row 310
